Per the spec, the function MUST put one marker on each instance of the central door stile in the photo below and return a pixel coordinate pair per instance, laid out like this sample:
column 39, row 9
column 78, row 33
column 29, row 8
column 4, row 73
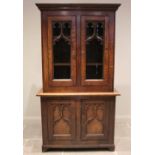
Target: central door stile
column 78, row 25
column 78, row 120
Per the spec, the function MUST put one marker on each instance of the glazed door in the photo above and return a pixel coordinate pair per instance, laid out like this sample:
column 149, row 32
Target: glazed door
column 95, row 50
column 62, row 50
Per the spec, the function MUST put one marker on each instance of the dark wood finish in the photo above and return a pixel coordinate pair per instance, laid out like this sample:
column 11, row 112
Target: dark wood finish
column 78, row 112
column 81, row 7
column 78, row 82
column 86, row 122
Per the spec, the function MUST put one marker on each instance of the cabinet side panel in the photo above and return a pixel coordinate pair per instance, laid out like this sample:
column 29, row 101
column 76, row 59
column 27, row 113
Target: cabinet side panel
column 44, row 121
column 44, row 50
column 111, row 126
column 112, row 48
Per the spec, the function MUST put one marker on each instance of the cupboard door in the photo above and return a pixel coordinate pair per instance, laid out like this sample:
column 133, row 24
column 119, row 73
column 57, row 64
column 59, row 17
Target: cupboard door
column 62, row 50
column 94, row 116
column 61, row 120
column 95, row 50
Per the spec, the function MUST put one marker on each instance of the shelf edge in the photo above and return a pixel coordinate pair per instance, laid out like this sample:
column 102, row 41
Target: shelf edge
column 114, row 93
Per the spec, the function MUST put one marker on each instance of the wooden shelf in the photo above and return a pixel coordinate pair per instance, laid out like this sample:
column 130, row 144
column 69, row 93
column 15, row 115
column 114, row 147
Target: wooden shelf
column 41, row 93
column 61, row 64
column 94, row 64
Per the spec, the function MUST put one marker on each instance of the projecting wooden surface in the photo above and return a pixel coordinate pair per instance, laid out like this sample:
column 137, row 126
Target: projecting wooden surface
column 114, row 93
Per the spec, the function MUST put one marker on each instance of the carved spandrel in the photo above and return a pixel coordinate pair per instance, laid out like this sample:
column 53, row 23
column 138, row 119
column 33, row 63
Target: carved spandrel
column 61, row 30
column 94, row 31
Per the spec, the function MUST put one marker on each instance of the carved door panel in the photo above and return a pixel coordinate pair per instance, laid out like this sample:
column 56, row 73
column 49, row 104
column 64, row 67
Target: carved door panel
column 61, row 120
column 94, row 122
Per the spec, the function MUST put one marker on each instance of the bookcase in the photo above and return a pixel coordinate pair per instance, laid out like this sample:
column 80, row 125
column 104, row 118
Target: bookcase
column 78, row 95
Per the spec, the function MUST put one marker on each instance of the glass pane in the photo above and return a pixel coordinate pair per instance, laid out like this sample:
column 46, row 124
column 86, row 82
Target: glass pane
column 94, row 49
column 94, row 72
column 61, row 51
column 61, row 32
column 94, row 52
column 61, row 72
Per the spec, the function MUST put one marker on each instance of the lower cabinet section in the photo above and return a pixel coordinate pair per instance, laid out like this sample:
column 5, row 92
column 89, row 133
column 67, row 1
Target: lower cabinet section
column 78, row 122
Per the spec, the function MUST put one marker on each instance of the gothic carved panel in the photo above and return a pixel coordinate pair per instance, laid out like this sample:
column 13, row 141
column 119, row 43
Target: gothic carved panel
column 61, row 120
column 93, row 119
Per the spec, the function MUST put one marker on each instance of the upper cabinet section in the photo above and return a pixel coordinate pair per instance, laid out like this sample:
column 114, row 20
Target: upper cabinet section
column 78, row 47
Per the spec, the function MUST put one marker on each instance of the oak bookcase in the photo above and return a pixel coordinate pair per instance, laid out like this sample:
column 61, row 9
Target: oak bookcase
column 78, row 96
